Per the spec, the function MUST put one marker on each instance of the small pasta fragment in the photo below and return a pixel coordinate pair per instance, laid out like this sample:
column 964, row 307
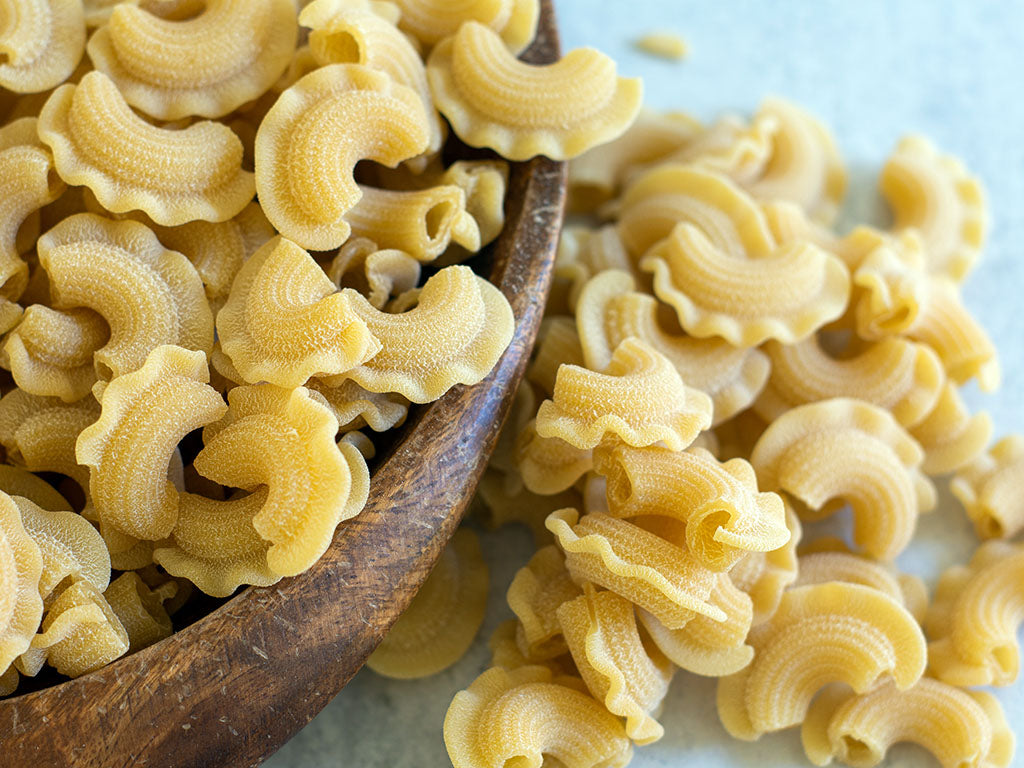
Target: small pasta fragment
column 609, row 311
column 228, row 54
column 656, row 575
column 665, row 45
column 174, row 176
column 820, row 634
column 842, row 451
column 766, row 575
column 639, row 398
column 901, row 376
column 145, row 415
column 521, row 110
column 951, row 436
column 311, row 139
column 724, row 514
column 442, row 619
column 934, row 194
column 631, row 680
column 148, row 295
column 537, row 591
column 958, row 727
column 140, row 609
column 21, row 566
column 455, row 334
column 17, row 481
column 284, row 320
column 991, row 489
column 41, row 42
column 973, row 620
column 521, row 716
column 69, row 545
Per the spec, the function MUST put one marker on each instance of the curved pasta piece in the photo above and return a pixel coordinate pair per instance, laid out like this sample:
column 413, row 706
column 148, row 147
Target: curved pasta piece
column 284, row 320
column 51, row 351
column 148, row 295
column 21, row 566
column 632, row 680
column 440, row 623
column 69, row 545
column 430, row 21
column 41, row 42
column 640, row 398
column 847, row 451
column 484, row 183
column 355, row 407
column 658, row 576
column 609, row 311
column 537, row 591
column 951, row 436
column 958, row 727
column 174, row 176
column 140, row 609
column 559, row 110
column 706, row 647
column 278, row 444
column 991, row 489
column 144, row 416
column 347, row 33
column 377, row 274
column 505, row 652
column 820, row 634
column 584, row 253
column 724, row 514
column 17, row 481
column 510, row 716
column 974, row 618
column 557, row 344
column 549, row 465
column 934, row 194
column 766, row 575
column 785, row 296
column 228, row 54
column 901, row 376
column 311, row 139
column 455, row 334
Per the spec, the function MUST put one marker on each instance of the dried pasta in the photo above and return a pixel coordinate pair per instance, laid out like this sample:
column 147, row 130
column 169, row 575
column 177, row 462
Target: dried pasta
column 951, row 436
column 17, row 481
column 42, row 42
column 990, row 489
column 535, row 595
column 443, row 617
column 558, row 344
column 521, row 110
column 355, row 407
column 583, row 253
column 174, row 176
column 550, row 465
column 430, row 21
column 766, row 575
column 140, row 609
column 21, row 566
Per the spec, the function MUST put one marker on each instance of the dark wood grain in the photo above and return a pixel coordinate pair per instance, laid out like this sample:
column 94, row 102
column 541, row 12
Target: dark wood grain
column 231, row 688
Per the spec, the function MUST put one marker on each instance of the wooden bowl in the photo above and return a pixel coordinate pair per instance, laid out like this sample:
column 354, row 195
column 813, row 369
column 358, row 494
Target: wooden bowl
column 231, row 688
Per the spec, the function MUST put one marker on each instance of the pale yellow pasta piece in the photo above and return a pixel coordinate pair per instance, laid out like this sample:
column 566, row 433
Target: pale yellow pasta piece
column 174, row 176
column 355, row 407
column 664, row 45
column 9, row 681
column 558, row 344
column 377, row 274
column 80, row 632
column 766, row 575
column 934, row 194
column 704, row 646
column 901, row 376
column 440, row 623
column 656, row 575
column 148, row 295
column 990, row 488
column 420, row 222
column 311, row 139
column 69, row 545
column 609, row 311
column 973, row 621
column 284, row 320
column 39, row 433
column 522, row 717
column 959, row 728
column 21, row 566
column 41, row 42
column 820, row 634
column 51, row 351
column 484, row 183
column 732, row 146
column 785, row 296
column 840, row 451
column 521, row 110
column 724, row 513
column 640, row 398
column 346, row 32
column 460, row 326
column 145, row 415
column 505, row 652
column 360, row 442
column 278, row 444
column 430, row 21
column 17, row 481
column 140, row 609
column 549, row 465
column 535, row 594
column 501, row 507
column 951, row 436
column 584, row 253
column 629, row 678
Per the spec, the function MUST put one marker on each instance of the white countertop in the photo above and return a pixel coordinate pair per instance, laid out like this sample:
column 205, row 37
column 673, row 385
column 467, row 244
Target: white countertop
column 873, row 70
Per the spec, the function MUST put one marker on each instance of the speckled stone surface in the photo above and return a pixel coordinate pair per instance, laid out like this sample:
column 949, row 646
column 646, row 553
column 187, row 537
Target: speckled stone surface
column 874, row 70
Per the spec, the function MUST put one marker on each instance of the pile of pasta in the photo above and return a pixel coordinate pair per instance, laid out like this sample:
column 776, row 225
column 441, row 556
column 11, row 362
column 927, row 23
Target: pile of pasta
column 718, row 366
column 206, row 306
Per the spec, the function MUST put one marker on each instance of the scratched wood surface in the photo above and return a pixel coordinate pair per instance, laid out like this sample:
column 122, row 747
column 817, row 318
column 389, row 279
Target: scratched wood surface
column 229, row 689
